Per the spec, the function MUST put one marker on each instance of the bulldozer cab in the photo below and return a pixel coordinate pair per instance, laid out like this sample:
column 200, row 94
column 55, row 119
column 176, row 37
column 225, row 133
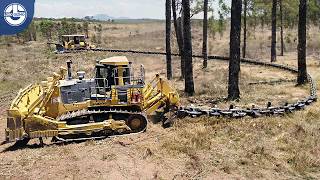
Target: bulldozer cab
column 73, row 40
column 115, row 71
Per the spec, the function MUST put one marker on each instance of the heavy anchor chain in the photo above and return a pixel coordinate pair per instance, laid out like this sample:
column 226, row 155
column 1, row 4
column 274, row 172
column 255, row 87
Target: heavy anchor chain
column 254, row 112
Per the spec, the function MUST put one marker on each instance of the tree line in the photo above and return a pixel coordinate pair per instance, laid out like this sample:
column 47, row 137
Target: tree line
column 52, row 30
column 242, row 14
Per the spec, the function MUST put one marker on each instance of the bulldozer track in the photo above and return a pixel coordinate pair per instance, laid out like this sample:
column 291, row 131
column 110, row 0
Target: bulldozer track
column 86, row 112
column 233, row 112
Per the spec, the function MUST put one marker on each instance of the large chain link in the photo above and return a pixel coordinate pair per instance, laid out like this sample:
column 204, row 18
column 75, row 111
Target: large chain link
column 255, row 112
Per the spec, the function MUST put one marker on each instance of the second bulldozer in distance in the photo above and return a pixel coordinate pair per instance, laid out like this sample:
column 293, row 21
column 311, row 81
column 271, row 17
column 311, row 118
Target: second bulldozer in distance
column 70, row 43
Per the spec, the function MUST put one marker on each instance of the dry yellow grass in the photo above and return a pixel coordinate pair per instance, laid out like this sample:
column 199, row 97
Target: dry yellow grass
column 205, row 148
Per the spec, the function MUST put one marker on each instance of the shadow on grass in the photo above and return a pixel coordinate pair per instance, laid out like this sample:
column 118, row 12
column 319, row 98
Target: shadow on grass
column 16, row 147
column 3, row 143
column 22, row 146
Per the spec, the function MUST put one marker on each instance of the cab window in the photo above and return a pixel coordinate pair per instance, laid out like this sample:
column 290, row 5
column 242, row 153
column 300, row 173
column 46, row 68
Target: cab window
column 82, row 39
column 126, row 75
column 76, row 40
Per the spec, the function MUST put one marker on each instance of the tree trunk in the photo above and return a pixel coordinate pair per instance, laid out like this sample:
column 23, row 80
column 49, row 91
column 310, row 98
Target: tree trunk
column 178, row 30
column 187, row 48
column 181, row 31
column 244, row 48
column 281, row 24
column 274, row 32
column 168, row 39
column 175, row 22
column 234, row 63
column 302, row 65
column 30, row 35
column 205, row 35
column 34, row 34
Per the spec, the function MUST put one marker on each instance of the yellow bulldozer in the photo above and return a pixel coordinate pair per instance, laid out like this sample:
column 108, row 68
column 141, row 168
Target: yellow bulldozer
column 115, row 102
column 72, row 43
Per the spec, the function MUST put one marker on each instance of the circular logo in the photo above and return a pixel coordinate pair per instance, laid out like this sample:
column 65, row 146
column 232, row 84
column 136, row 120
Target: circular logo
column 15, row 14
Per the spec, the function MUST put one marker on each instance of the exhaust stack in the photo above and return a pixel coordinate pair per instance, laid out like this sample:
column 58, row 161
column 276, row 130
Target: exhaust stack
column 69, row 70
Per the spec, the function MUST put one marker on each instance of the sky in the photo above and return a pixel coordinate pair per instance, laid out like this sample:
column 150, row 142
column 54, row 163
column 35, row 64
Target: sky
column 114, row 8
column 154, row 9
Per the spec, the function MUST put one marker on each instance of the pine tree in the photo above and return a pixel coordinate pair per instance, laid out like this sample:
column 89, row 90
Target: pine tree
column 178, row 29
column 168, row 39
column 234, row 63
column 281, row 27
column 302, row 65
column 187, row 47
column 205, row 34
column 244, row 48
column 274, row 32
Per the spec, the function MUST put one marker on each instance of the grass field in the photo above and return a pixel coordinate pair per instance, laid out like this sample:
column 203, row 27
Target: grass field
column 206, row 148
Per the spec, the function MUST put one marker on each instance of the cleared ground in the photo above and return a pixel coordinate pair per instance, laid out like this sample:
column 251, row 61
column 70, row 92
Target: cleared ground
column 205, row 148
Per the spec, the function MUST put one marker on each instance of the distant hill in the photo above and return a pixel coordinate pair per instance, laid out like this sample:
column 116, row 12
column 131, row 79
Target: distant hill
column 103, row 17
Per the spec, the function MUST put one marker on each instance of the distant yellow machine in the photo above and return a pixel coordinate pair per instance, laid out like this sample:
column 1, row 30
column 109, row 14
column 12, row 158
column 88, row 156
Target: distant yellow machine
column 72, row 43
column 113, row 102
